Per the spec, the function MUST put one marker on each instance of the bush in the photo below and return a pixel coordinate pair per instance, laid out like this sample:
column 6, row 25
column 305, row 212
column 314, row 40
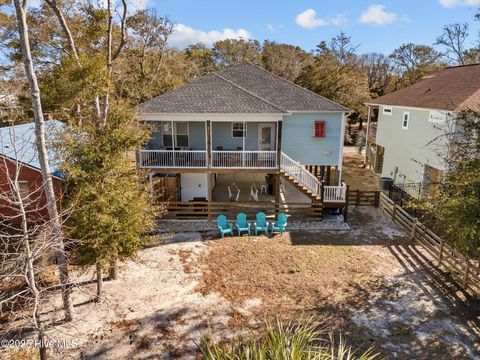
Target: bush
column 284, row 341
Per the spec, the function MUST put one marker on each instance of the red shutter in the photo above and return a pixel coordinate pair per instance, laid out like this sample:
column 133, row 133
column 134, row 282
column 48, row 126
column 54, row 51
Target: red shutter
column 319, row 129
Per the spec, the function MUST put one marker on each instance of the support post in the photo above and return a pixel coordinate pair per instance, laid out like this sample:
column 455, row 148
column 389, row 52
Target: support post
column 279, row 143
column 414, row 230
column 465, row 276
column 173, row 142
column 243, row 143
column 440, row 254
column 208, row 142
column 377, row 198
column 367, row 133
column 150, row 185
column 277, row 192
column 394, row 212
column 345, row 211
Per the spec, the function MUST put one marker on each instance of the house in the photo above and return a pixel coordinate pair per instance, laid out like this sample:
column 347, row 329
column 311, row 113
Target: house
column 19, row 162
column 413, row 119
column 245, row 134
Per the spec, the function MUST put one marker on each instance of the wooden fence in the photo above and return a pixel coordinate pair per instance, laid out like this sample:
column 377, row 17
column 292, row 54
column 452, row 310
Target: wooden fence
column 363, row 197
column 210, row 210
column 463, row 270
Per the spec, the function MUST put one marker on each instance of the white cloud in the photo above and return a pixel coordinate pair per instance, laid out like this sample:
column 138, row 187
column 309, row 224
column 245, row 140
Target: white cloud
column 271, row 27
column 308, row 20
column 452, row 3
column 377, row 15
column 184, row 35
column 135, row 5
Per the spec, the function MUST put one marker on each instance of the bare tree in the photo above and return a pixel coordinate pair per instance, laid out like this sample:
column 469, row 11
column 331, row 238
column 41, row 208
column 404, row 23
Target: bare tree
column 379, row 72
column 25, row 242
column 112, row 55
column 453, row 41
column 21, row 15
column 63, row 23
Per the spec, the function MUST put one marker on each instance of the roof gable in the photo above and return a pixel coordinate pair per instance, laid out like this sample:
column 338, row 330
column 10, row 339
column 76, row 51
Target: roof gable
column 243, row 88
column 454, row 88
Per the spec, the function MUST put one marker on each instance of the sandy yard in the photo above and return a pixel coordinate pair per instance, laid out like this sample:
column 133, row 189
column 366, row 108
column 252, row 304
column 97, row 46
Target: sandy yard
column 354, row 174
column 367, row 283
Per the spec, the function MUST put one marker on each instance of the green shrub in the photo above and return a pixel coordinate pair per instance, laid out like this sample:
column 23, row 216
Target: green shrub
column 284, row 341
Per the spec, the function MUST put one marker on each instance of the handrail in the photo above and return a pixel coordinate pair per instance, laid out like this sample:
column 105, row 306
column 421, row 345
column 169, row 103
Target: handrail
column 299, row 173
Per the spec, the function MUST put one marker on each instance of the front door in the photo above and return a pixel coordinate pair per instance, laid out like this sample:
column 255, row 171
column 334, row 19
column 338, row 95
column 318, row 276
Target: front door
column 265, row 137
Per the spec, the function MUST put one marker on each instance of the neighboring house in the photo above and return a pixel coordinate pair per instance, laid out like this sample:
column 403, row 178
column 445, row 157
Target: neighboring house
column 246, row 128
column 409, row 143
column 19, row 160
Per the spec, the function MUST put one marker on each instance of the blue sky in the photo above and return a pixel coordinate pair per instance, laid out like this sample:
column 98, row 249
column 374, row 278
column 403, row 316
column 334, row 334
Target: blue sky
column 376, row 25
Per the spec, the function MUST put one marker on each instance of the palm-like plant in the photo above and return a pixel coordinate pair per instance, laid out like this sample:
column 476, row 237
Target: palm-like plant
column 285, row 341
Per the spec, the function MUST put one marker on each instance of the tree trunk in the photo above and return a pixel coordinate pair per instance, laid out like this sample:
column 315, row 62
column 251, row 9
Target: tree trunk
column 71, row 43
column 21, row 14
column 99, row 281
column 113, row 270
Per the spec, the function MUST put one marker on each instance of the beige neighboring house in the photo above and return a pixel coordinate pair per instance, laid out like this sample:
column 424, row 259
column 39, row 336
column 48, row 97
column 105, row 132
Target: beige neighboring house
column 410, row 118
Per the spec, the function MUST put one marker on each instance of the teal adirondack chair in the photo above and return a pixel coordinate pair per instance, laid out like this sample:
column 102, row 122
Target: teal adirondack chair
column 280, row 224
column 261, row 224
column 242, row 224
column 223, row 226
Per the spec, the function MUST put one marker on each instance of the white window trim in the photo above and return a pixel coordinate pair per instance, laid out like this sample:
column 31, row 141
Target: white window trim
column 175, row 132
column 403, row 120
column 244, row 130
column 387, row 113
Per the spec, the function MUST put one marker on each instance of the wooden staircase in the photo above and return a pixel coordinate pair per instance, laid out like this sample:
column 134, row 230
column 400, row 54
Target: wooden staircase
column 297, row 175
column 305, row 190
column 301, row 178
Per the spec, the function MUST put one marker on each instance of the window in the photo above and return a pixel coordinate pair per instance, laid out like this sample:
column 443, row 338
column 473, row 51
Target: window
column 319, row 129
column 237, row 130
column 387, row 110
column 181, row 134
column 405, row 120
column 23, row 189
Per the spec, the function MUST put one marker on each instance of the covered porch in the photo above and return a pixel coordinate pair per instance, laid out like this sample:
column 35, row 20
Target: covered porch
column 214, row 144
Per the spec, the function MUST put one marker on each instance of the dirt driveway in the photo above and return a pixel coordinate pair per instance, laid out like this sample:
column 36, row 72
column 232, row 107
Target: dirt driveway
column 367, row 283
column 353, row 172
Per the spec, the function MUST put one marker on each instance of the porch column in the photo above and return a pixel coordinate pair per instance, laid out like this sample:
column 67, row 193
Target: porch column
column 208, row 143
column 279, row 144
column 173, row 142
column 243, row 143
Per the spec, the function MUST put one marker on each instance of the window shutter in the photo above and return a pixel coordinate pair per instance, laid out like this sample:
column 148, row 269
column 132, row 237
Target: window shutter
column 319, row 129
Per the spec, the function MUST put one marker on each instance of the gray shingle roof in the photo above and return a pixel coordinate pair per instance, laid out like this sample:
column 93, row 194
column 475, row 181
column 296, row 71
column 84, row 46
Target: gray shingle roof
column 243, row 88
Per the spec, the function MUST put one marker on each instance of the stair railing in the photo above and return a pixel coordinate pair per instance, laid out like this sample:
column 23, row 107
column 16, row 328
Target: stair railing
column 300, row 174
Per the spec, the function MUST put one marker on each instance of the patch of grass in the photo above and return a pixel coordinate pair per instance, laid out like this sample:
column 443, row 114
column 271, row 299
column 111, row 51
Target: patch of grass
column 285, row 341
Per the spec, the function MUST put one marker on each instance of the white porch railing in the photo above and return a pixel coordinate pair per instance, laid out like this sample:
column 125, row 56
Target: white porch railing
column 307, row 179
column 299, row 173
column 225, row 159
column 172, row 159
column 335, row 193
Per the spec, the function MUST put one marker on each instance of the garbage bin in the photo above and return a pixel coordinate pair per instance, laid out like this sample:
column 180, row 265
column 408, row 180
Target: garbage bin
column 385, row 183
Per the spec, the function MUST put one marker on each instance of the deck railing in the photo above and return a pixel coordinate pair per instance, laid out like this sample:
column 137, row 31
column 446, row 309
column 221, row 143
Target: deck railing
column 231, row 159
column 335, row 193
column 299, row 173
column 172, row 158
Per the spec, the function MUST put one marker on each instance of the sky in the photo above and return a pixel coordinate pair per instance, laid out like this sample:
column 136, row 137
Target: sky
column 379, row 26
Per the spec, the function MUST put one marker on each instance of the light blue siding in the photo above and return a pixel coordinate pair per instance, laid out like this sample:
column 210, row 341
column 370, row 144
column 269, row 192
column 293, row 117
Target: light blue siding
column 298, row 141
column 222, row 136
column 197, row 136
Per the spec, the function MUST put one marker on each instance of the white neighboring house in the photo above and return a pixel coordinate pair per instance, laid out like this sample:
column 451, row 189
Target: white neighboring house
column 411, row 118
